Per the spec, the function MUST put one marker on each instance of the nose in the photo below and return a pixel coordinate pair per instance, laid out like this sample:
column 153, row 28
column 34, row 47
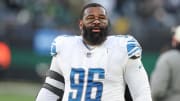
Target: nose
column 96, row 21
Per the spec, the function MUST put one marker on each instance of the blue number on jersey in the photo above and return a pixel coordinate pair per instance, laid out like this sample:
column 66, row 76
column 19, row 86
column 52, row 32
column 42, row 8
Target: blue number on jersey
column 77, row 85
column 91, row 83
column 94, row 84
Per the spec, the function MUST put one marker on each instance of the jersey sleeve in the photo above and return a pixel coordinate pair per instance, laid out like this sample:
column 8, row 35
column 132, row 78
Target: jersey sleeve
column 137, row 80
column 53, row 87
column 135, row 75
column 133, row 48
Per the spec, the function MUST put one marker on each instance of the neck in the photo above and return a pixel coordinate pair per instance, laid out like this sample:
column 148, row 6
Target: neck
column 89, row 46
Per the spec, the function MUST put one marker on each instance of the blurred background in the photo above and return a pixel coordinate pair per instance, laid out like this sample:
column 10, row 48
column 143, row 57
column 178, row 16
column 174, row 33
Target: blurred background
column 27, row 28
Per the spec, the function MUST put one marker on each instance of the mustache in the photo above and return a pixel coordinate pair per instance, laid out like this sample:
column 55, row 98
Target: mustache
column 95, row 38
column 95, row 27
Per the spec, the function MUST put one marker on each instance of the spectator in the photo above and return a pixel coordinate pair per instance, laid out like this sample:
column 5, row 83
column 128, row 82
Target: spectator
column 165, row 81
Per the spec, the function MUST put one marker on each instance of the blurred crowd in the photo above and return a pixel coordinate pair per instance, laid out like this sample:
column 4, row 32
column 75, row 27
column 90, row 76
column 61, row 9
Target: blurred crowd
column 147, row 20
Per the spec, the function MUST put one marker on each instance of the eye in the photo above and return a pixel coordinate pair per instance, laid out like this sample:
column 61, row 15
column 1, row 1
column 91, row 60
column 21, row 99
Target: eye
column 102, row 17
column 89, row 17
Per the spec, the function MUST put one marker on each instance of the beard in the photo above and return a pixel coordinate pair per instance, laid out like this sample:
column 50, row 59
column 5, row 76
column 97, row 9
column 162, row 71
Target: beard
column 95, row 38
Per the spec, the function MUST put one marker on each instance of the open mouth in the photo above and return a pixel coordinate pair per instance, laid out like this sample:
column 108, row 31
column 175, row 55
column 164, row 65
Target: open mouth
column 96, row 29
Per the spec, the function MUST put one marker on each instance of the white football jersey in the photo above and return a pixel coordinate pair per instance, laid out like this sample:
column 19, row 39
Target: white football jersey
column 99, row 73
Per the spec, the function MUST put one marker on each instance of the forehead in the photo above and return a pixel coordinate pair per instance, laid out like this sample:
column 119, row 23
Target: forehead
column 94, row 11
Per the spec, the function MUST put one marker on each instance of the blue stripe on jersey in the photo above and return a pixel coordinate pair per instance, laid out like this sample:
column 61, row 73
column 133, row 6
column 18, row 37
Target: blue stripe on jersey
column 133, row 48
column 134, row 51
column 53, row 49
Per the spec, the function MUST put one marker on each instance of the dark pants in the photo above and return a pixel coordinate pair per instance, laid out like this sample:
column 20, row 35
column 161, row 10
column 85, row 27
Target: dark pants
column 127, row 94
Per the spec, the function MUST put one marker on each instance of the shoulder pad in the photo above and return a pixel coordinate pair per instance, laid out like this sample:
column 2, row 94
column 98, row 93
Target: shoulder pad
column 53, row 51
column 55, row 45
column 133, row 48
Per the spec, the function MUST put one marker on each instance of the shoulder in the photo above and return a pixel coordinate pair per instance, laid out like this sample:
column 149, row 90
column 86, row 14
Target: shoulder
column 124, row 38
column 169, row 54
column 131, row 45
column 117, row 40
column 117, row 37
column 62, row 41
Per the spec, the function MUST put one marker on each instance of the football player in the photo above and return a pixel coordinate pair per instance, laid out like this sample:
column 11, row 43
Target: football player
column 95, row 66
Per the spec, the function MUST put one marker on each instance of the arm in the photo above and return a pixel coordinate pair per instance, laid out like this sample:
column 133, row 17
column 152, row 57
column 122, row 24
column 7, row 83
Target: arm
column 53, row 87
column 137, row 80
column 135, row 75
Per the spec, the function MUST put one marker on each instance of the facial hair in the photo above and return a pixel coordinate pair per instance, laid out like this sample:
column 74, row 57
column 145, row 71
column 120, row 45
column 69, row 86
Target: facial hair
column 95, row 38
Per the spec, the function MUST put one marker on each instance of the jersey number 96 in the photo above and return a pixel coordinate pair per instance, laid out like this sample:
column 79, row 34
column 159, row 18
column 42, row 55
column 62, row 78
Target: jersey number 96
column 88, row 83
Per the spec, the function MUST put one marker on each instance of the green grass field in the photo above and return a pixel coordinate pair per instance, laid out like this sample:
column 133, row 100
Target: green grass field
column 16, row 97
column 18, row 91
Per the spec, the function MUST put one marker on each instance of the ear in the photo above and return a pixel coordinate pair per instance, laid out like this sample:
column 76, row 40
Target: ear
column 80, row 24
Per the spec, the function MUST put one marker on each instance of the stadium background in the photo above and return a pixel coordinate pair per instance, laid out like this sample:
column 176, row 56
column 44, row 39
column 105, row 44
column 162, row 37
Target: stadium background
column 27, row 28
